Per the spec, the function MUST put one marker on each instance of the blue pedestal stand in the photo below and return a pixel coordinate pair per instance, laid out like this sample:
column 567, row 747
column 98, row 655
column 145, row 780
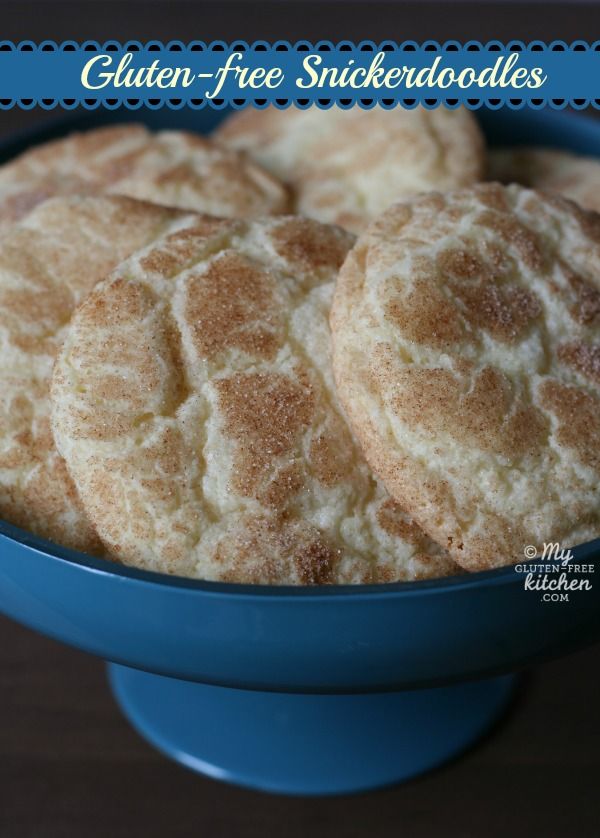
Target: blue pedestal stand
column 308, row 744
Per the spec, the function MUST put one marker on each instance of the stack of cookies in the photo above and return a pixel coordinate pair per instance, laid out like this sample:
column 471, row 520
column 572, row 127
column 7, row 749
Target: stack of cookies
column 206, row 373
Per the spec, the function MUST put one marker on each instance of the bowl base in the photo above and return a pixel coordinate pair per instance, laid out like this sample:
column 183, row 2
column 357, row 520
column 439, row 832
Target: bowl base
column 308, row 744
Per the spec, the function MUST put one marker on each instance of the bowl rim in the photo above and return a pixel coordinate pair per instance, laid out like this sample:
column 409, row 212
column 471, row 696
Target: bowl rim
column 588, row 552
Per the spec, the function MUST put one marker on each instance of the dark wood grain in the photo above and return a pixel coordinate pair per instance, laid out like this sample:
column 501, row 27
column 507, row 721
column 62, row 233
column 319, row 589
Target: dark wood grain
column 71, row 767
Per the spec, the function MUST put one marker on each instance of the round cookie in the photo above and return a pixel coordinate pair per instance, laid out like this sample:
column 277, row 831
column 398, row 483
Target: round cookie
column 572, row 175
column 467, row 355
column 346, row 166
column 49, row 261
column 194, row 404
column 174, row 168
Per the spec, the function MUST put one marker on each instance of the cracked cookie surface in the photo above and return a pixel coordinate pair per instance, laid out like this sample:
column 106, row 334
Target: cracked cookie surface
column 194, row 403
column 174, row 168
column 467, row 356
column 49, row 261
column 572, row 175
column 346, row 166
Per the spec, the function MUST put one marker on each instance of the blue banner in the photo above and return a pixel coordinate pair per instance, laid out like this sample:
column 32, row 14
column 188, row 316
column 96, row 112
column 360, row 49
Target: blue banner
column 238, row 74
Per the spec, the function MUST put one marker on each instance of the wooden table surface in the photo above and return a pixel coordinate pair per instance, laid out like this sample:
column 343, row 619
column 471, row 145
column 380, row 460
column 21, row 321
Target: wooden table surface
column 70, row 765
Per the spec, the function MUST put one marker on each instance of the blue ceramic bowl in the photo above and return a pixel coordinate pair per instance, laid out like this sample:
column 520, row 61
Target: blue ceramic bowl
column 303, row 690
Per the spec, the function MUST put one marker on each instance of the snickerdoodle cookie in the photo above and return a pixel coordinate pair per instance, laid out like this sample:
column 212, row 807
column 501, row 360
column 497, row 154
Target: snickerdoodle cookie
column 49, row 261
column 175, row 168
column 467, row 355
column 346, row 166
column 571, row 175
column 194, row 404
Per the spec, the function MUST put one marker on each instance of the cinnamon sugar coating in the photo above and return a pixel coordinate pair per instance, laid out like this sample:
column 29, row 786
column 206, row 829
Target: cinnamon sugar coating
column 175, row 168
column 195, row 407
column 49, row 261
column 346, row 166
column 466, row 333
column 572, row 175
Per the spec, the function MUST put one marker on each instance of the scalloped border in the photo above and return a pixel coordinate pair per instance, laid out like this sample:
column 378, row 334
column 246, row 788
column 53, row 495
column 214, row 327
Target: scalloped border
column 384, row 100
